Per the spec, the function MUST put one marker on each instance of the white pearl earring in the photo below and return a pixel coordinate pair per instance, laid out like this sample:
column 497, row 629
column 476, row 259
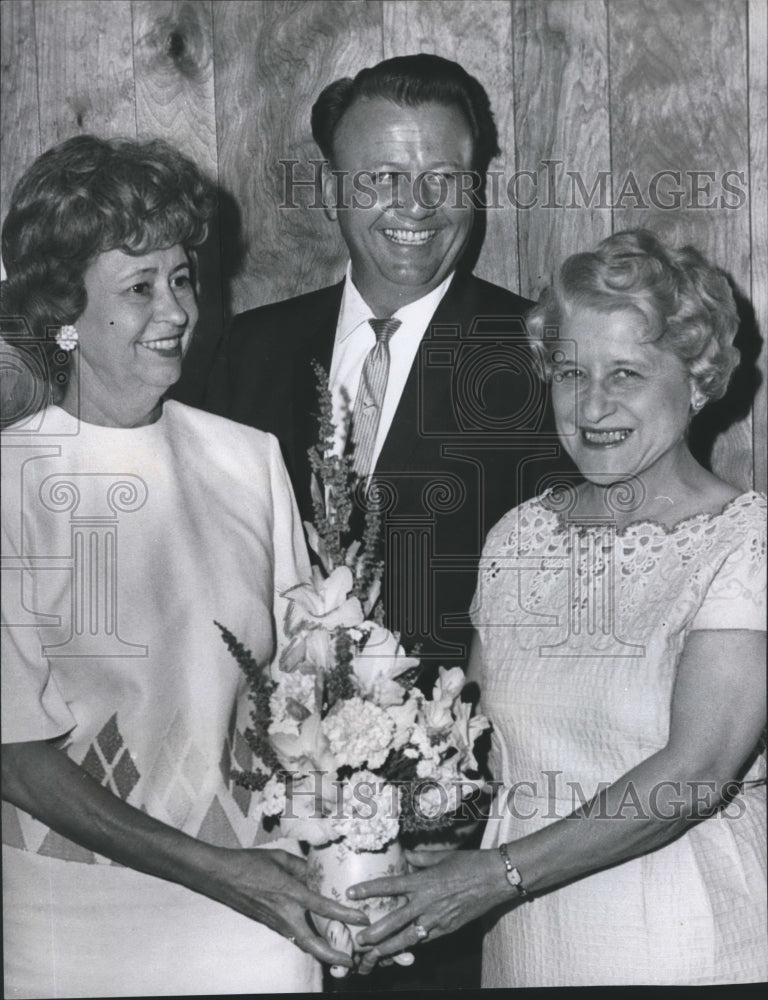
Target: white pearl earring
column 67, row 338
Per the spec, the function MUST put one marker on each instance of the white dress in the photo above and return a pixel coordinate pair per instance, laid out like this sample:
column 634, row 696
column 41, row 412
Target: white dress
column 121, row 548
column 581, row 630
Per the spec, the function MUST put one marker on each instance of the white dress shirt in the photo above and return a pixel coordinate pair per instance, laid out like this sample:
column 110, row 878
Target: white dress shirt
column 355, row 338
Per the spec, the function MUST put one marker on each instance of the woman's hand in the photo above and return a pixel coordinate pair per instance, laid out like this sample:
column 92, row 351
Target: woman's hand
column 268, row 886
column 263, row 884
column 447, row 890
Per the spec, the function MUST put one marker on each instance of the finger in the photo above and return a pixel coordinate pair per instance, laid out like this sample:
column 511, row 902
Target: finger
column 368, row 962
column 393, row 922
column 395, row 945
column 404, row 958
column 315, row 945
column 427, row 859
column 389, row 886
column 325, row 907
column 338, row 936
column 296, row 866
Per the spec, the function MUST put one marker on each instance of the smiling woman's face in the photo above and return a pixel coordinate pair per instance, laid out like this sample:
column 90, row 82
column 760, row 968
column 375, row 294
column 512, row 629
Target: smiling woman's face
column 621, row 402
column 136, row 326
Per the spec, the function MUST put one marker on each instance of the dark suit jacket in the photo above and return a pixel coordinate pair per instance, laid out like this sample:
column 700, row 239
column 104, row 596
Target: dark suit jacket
column 472, row 437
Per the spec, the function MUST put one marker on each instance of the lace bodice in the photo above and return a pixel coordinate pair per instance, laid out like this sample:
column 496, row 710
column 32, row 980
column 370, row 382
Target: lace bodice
column 581, row 628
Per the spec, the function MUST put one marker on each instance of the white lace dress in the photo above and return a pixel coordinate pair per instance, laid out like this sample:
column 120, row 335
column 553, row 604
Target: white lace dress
column 581, row 630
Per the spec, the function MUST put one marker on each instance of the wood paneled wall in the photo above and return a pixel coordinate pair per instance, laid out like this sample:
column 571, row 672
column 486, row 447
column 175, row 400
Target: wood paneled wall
column 602, row 93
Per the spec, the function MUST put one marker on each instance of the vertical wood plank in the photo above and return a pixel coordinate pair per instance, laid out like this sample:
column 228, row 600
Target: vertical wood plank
column 19, row 115
column 561, row 110
column 479, row 37
column 85, row 65
column 679, row 103
column 20, row 145
column 758, row 195
column 173, row 65
column 175, row 100
column 272, row 60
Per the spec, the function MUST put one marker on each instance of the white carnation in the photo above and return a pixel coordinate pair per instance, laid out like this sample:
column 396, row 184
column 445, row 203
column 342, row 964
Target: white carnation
column 431, row 801
column 273, row 797
column 368, row 814
column 359, row 733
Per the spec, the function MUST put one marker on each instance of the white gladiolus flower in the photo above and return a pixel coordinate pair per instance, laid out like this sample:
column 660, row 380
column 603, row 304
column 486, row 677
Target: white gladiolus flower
column 466, row 729
column 438, row 713
column 404, row 716
column 376, row 666
column 324, row 603
column 306, row 751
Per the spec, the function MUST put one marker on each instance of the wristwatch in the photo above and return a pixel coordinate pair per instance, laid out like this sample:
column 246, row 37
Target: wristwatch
column 513, row 873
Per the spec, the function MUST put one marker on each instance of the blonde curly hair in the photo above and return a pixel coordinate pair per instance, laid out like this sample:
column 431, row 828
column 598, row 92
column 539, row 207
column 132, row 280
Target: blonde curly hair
column 686, row 303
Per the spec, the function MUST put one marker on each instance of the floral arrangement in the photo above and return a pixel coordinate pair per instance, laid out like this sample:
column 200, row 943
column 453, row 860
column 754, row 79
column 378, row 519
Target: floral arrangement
column 344, row 743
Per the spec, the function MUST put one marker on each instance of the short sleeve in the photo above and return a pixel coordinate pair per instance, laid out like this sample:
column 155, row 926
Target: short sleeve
column 736, row 598
column 290, row 550
column 33, row 707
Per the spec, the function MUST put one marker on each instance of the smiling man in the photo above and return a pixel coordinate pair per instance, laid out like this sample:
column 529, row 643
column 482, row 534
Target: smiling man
column 448, row 414
column 447, row 411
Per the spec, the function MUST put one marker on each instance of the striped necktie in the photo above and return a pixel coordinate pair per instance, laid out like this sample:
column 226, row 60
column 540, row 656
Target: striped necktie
column 370, row 396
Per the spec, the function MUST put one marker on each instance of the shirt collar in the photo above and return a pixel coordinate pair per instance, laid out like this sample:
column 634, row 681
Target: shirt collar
column 355, row 311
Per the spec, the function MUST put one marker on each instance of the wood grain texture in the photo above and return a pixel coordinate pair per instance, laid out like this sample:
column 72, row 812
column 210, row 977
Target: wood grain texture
column 175, row 100
column 85, row 67
column 272, row 61
column 479, row 37
column 20, row 132
column 601, row 85
column 679, row 103
column 758, row 201
column 19, row 109
column 173, row 66
column 561, row 110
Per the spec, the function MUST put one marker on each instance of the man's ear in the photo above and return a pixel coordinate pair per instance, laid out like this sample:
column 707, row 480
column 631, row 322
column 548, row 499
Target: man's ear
column 330, row 193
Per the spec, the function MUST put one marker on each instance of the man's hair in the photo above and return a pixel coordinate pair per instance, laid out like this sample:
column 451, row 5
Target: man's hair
column 411, row 81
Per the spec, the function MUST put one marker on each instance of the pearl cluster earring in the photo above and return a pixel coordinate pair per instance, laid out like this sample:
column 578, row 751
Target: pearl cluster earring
column 67, row 338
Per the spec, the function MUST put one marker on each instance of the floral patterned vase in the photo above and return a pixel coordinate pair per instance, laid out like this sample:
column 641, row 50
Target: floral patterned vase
column 333, row 868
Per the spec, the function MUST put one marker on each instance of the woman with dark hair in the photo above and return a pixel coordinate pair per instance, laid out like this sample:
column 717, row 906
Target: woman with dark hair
column 621, row 658
column 130, row 525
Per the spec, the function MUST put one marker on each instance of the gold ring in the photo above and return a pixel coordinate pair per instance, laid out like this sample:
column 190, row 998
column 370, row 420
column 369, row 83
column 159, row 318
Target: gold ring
column 421, row 931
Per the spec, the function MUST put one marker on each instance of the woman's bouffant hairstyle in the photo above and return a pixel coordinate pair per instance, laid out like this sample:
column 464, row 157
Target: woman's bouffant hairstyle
column 86, row 196
column 687, row 305
column 411, row 81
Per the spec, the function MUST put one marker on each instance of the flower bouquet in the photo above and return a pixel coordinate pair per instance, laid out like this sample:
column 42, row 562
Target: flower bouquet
column 348, row 752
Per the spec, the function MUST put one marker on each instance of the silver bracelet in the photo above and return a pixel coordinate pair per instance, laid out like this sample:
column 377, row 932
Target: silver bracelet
column 512, row 873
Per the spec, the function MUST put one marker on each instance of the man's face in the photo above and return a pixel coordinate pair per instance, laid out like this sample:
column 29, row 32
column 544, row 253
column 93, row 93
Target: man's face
column 400, row 209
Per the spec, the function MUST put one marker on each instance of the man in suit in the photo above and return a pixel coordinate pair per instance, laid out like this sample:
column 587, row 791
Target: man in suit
column 460, row 430
column 448, row 415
